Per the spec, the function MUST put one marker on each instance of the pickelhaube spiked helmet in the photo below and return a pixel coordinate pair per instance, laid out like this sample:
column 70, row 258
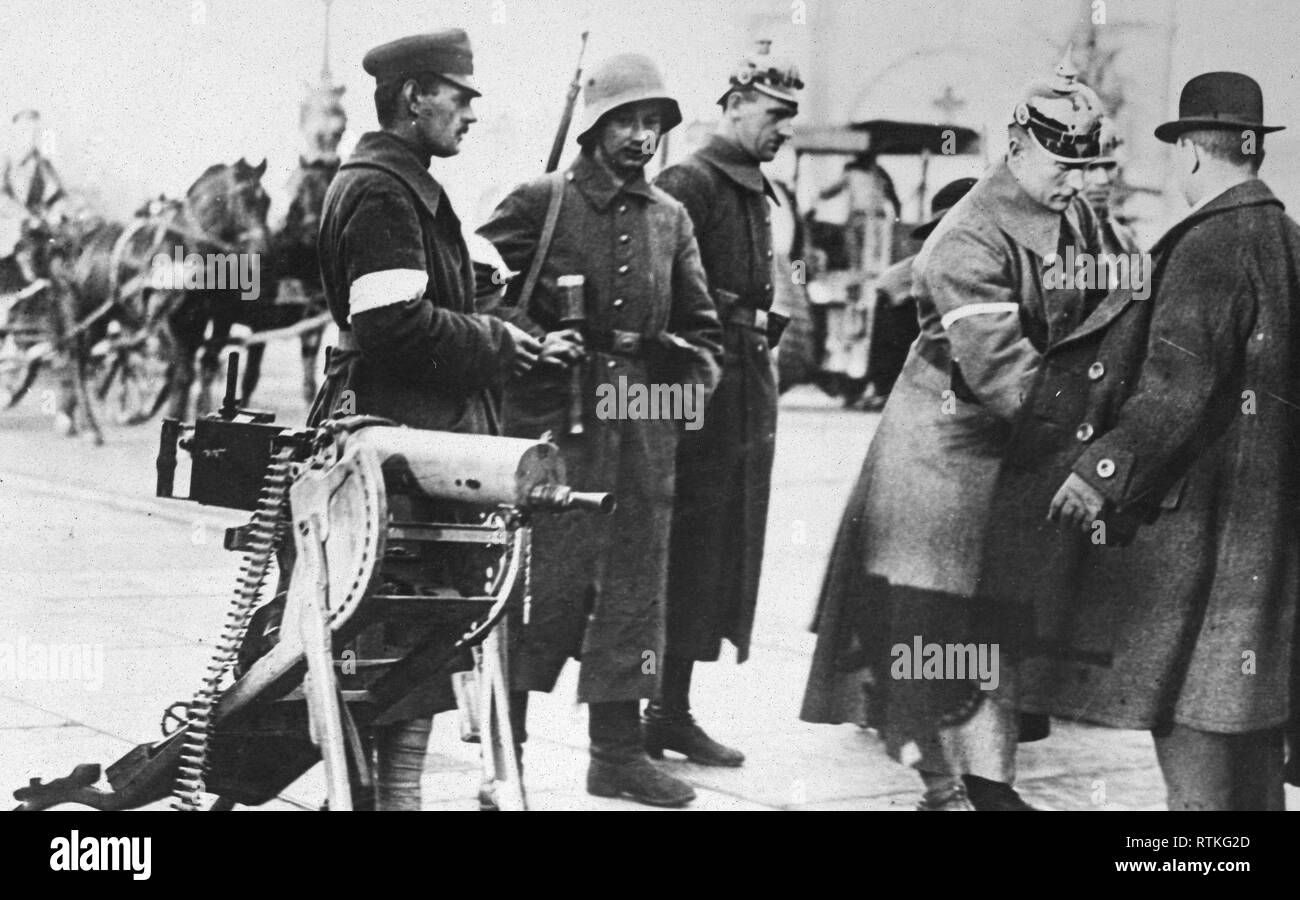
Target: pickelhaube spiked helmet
column 1064, row 116
column 765, row 74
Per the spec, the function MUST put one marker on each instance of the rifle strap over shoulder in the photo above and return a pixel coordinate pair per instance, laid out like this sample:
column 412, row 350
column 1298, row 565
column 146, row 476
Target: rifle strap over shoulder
column 543, row 245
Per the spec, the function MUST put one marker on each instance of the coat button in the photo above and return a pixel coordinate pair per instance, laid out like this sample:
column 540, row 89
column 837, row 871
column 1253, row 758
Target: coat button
column 769, row 254
column 1096, row 370
column 622, row 207
column 1105, row 468
column 618, row 302
column 1084, row 432
column 624, row 238
column 622, row 270
column 611, row 364
column 768, row 286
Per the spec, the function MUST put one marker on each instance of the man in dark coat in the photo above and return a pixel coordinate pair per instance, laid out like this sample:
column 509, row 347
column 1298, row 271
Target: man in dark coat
column 1189, row 628
column 598, row 583
column 906, row 560
column 724, row 469
column 399, row 285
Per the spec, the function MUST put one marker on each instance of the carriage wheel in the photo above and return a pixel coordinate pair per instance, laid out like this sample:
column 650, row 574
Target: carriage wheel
column 131, row 375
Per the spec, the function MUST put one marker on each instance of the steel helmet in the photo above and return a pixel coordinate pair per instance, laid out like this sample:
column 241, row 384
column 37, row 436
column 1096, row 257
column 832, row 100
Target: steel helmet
column 620, row 80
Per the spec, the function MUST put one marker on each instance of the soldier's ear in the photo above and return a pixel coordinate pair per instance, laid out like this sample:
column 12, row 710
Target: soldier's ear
column 1015, row 144
column 410, row 91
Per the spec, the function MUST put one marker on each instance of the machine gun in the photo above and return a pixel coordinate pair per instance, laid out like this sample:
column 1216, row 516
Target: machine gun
column 389, row 525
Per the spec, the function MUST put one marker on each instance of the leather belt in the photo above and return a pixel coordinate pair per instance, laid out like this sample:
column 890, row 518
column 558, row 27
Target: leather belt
column 624, row 343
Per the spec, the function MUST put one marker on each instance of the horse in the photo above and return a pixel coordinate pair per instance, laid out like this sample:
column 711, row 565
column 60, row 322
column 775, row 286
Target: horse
column 298, row 297
column 140, row 309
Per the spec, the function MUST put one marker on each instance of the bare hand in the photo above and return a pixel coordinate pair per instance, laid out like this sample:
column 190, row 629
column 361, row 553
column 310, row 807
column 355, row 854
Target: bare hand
column 527, row 349
column 1076, row 504
column 562, row 348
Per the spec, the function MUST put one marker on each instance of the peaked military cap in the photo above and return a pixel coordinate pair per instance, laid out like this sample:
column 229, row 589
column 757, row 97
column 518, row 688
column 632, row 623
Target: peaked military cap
column 446, row 53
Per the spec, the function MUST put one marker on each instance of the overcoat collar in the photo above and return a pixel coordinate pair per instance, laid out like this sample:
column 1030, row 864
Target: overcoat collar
column 1249, row 193
column 382, row 150
column 1031, row 224
column 600, row 186
column 737, row 165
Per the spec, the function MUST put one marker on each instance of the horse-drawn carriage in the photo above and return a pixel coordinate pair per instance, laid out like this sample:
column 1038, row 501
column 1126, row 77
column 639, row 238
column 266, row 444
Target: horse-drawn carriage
column 849, row 337
column 118, row 312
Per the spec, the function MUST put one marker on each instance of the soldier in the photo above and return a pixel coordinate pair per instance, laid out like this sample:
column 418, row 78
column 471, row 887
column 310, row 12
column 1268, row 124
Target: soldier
column 599, row 585
column 1101, row 180
column 904, row 569
column 32, row 200
column 29, row 177
column 724, row 469
column 399, row 284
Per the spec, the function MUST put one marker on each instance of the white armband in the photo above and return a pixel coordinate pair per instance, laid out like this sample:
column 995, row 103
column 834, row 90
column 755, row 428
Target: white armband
column 385, row 288
column 976, row 309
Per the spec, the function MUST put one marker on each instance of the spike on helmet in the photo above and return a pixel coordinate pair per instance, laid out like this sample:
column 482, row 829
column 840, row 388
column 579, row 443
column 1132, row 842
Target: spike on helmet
column 765, row 74
column 1064, row 116
column 620, row 80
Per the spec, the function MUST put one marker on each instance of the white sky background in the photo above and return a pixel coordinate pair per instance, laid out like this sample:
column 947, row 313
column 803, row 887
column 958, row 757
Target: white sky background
column 139, row 96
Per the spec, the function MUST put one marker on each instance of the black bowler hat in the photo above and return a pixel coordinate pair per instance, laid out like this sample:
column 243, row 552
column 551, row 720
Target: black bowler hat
column 943, row 201
column 446, row 53
column 1218, row 100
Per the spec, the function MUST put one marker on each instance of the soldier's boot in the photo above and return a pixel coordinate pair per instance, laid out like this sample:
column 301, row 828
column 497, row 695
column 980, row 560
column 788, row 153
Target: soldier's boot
column 994, row 795
column 945, row 796
column 619, row 766
column 669, row 729
column 668, row 723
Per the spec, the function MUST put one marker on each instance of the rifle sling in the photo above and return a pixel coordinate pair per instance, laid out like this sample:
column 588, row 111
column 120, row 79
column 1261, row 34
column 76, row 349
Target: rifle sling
column 543, row 245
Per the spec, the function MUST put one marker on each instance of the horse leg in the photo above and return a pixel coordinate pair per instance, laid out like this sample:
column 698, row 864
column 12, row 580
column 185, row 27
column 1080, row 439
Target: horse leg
column 252, row 370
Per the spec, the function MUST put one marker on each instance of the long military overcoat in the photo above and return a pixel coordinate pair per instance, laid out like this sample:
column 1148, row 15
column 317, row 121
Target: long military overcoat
column 423, row 356
column 917, row 518
column 724, row 470
column 1192, row 621
column 598, row 583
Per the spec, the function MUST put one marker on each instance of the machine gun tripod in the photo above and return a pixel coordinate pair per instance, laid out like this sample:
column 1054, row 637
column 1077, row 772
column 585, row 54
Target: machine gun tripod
column 393, row 529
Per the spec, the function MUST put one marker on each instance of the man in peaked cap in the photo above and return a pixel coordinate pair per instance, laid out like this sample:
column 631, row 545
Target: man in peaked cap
column 1101, row 179
column 1189, row 630
column 724, row 469
column 907, row 558
column 399, row 283
column 599, row 584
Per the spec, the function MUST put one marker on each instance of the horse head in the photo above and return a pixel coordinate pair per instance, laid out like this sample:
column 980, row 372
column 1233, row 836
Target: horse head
column 229, row 204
